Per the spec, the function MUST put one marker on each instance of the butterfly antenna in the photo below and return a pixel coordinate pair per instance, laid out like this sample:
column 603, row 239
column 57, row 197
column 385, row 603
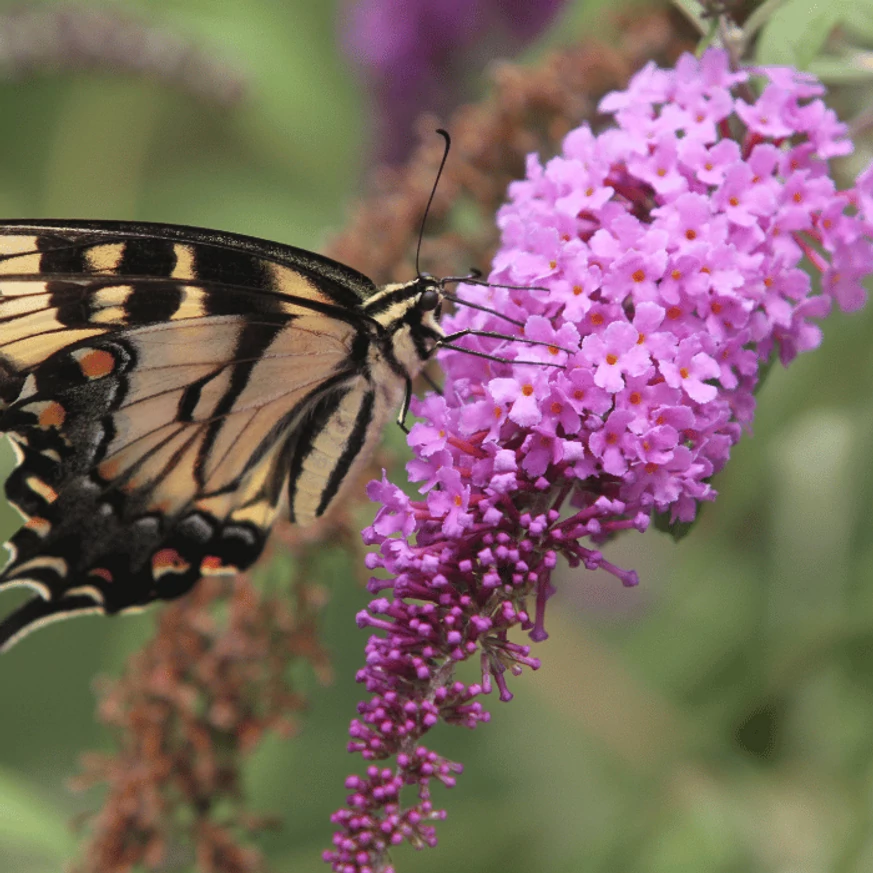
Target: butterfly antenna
column 461, row 302
column 444, row 134
column 475, row 278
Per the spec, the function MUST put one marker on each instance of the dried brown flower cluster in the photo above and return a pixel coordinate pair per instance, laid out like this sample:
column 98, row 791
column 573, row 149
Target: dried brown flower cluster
column 189, row 708
column 214, row 679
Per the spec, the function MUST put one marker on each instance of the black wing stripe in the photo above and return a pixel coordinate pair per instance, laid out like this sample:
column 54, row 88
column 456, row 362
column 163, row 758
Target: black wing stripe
column 347, row 287
column 353, row 446
column 231, row 267
column 153, row 305
column 318, row 420
column 250, row 345
column 61, row 259
column 156, row 258
column 283, row 426
column 71, row 301
column 219, row 302
column 146, row 257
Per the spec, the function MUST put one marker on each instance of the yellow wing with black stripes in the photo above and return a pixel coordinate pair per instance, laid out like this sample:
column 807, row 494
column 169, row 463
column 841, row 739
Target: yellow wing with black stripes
column 168, row 389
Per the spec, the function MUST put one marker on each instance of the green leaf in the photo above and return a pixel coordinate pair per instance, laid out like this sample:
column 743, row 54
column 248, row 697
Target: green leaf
column 794, row 36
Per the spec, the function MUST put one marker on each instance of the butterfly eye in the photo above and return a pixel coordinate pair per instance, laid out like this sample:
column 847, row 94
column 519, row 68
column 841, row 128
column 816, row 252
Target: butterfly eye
column 429, row 300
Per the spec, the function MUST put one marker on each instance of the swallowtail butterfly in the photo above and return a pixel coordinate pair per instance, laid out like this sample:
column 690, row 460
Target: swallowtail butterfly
column 168, row 390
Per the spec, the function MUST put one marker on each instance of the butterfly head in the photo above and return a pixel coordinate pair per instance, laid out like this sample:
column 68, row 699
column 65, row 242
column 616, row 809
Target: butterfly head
column 409, row 316
column 429, row 302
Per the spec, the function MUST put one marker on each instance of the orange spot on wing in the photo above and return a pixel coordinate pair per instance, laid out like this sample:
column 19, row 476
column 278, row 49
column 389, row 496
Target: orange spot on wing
column 211, row 564
column 129, row 486
column 101, row 573
column 39, row 526
column 168, row 561
column 108, row 470
column 52, row 415
column 96, row 363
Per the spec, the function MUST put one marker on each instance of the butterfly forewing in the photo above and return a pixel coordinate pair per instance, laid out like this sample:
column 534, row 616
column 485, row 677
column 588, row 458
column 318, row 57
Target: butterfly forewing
column 167, row 389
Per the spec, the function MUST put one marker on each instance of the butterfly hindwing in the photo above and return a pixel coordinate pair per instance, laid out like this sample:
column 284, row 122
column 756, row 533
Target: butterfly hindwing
column 164, row 388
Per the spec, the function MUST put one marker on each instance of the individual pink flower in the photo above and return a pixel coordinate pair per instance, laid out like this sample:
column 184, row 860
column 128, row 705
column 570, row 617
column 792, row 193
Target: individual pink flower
column 613, row 354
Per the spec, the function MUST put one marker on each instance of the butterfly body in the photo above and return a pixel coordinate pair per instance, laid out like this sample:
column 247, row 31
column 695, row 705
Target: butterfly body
column 169, row 391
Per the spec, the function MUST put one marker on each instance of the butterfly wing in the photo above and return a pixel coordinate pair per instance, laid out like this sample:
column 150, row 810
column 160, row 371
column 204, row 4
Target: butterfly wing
column 164, row 388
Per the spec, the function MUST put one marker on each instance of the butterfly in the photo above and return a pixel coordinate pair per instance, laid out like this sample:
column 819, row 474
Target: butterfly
column 168, row 389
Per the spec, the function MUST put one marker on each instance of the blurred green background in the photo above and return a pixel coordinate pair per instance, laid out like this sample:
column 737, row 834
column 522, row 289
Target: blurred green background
column 718, row 718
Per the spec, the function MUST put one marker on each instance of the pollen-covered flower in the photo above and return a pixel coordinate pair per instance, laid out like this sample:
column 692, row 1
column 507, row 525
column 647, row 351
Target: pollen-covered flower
column 671, row 258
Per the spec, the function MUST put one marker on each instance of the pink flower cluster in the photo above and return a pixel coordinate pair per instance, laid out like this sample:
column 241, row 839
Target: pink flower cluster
column 665, row 261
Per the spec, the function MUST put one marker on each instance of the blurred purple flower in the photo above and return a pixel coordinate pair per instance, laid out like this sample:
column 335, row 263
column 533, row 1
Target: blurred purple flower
column 693, row 272
column 418, row 56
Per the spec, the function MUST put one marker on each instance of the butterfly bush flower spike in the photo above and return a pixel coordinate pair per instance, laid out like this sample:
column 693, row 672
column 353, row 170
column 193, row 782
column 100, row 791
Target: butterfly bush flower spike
column 672, row 256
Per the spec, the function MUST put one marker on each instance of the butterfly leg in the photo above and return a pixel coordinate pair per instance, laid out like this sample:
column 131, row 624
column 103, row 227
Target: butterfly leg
column 453, row 337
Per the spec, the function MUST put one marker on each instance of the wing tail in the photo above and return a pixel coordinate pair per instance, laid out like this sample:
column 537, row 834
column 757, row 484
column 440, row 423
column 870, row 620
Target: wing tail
column 37, row 612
